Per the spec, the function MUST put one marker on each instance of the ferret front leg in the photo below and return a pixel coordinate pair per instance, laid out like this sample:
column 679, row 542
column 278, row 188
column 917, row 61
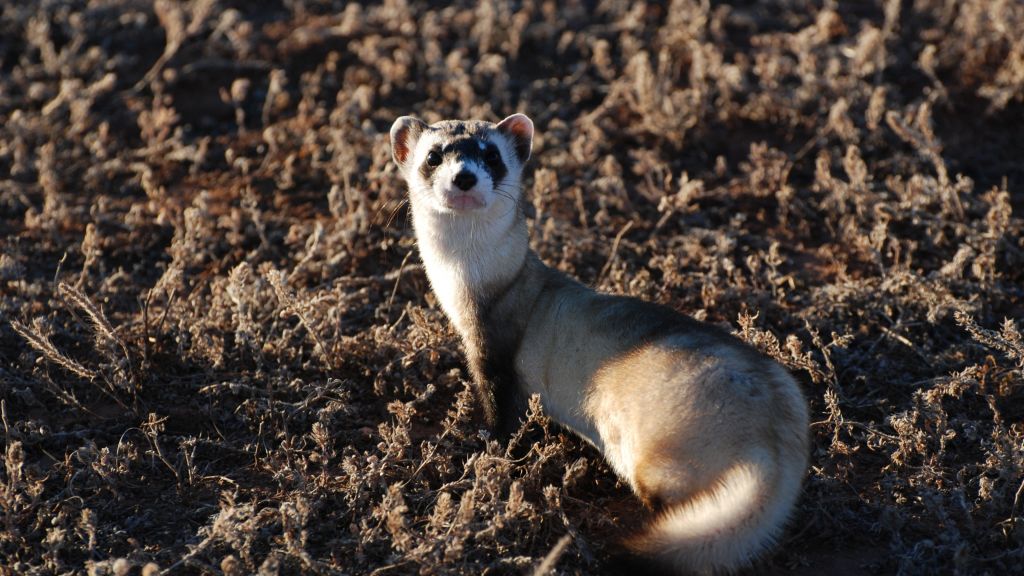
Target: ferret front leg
column 499, row 397
column 508, row 408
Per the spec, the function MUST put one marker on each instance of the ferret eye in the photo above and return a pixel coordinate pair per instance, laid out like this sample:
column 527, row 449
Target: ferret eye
column 433, row 159
column 492, row 155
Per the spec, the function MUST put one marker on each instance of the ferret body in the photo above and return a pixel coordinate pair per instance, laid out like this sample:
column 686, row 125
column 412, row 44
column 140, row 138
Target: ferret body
column 705, row 429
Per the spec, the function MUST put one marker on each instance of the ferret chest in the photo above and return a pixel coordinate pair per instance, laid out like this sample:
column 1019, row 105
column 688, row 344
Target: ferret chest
column 450, row 283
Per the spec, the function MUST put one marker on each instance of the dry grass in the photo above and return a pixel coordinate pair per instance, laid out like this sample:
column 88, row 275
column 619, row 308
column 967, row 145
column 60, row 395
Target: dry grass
column 218, row 356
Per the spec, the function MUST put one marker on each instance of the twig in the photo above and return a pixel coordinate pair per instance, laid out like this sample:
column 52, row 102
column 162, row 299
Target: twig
column 42, row 344
column 614, row 252
column 7, row 427
column 101, row 325
column 551, row 559
column 188, row 557
column 1016, row 503
column 398, row 279
column 151, row 429
column 177, row 32
column 311, row 245
column 389, row 567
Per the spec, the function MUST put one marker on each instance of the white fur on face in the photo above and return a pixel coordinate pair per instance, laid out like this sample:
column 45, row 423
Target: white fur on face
column 441, row 191
column 453, row 198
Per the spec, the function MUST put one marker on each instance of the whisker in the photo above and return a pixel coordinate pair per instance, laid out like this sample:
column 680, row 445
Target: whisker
column 380, row 209
column 500, row 190
column 394, row 212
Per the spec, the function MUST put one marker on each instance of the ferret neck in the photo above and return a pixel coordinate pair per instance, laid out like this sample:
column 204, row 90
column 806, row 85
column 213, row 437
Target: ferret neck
column 470, row 258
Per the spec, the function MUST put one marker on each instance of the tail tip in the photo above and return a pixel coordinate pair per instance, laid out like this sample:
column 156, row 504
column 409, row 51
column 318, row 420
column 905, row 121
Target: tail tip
column 626, row 562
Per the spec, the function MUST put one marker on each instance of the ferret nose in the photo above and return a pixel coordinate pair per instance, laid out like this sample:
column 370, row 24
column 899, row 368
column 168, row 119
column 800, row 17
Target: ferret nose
column 465, row 180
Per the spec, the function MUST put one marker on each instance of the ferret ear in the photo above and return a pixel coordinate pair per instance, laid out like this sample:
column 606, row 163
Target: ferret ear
column 519, row 128
column 404, row 134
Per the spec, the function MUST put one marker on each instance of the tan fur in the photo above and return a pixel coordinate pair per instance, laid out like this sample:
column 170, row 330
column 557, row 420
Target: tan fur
column 699, row 424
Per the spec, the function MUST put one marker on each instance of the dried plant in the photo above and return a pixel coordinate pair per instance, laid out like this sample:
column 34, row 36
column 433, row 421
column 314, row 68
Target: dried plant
column 36, row 339
column 301, row 309
column 218, row 352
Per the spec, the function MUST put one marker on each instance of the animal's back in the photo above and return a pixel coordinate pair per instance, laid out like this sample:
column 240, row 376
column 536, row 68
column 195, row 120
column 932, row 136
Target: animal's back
column 704, row 428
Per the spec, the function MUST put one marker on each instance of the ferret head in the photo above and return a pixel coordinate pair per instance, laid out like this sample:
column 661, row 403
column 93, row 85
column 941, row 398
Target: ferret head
column 463, row 167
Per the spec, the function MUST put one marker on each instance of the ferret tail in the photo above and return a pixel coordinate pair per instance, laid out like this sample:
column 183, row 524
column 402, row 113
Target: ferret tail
column 725, row 528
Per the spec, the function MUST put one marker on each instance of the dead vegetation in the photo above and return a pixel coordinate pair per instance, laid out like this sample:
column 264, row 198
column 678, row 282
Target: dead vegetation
column 218, row 353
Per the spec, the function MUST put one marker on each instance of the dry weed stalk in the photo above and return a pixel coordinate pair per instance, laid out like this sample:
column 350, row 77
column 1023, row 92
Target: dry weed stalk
column 301, row 309
column 240, row 290
column 1007, row 341
column 35, row 336
column 106, row 336
column 177, row 30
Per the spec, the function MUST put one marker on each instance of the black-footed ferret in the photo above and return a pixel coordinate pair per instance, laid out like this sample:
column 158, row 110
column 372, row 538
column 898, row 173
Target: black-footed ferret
column 702, row 427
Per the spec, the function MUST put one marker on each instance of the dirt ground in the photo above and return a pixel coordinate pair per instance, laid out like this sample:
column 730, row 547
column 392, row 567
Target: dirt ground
column 219, row 353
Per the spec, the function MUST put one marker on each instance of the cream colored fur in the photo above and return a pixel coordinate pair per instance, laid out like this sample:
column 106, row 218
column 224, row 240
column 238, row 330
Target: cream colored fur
column 694, row 420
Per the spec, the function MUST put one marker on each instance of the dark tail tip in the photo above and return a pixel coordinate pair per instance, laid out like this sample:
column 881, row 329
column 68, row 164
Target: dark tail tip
column 625, row 562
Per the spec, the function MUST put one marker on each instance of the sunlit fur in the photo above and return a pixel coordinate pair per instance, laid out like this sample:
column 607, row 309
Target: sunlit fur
column 463, row 251
column 707, row 431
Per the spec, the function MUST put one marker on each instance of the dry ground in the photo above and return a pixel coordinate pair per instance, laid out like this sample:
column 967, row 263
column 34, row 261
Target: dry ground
column 218, row 353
